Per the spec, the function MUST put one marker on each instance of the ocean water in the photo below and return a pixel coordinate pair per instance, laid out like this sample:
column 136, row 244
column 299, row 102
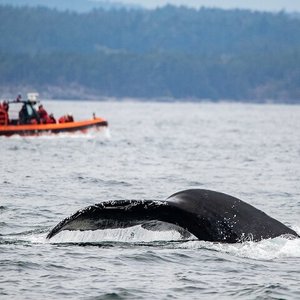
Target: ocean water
column 150, row 151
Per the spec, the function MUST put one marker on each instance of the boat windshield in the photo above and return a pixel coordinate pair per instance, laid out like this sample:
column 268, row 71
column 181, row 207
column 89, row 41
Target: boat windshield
column 29, row 110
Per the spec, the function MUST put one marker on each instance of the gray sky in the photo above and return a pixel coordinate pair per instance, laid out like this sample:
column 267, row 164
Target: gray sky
column 267, row 5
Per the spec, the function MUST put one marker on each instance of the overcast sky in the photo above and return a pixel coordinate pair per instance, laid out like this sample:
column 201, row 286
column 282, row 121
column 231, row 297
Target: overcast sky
column 267, row 5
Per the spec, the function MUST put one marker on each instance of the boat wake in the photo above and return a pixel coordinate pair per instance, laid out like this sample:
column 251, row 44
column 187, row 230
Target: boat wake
column 91, row 133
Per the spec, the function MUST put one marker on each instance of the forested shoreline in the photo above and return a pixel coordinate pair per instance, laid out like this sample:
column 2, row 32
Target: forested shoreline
column 171, row 52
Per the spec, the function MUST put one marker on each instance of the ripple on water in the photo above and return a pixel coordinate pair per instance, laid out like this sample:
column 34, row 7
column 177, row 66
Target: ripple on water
column 243, row 150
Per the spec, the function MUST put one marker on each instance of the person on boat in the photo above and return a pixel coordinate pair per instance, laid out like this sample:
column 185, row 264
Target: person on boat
column 66, row 119
column 5, row 106
column 70, row 117
column 4, row 120
column 23, row 115
column 19, row 98
column 44, row 117
column 51, row 119
column 28, row 118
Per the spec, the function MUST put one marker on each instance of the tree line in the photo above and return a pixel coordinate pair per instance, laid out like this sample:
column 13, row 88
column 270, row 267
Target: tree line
column 167, row 52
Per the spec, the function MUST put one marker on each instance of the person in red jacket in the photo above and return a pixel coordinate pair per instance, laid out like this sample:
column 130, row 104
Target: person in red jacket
column 65, row 119
column 44, row 117
column 5, row 106
column 4, row 120
column 51, row 119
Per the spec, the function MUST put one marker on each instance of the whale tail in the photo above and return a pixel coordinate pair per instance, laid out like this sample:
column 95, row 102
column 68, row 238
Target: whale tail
column 208, row 215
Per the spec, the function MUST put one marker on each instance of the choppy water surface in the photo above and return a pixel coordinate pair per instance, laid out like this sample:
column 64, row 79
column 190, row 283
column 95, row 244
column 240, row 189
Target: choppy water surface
column 150, row 151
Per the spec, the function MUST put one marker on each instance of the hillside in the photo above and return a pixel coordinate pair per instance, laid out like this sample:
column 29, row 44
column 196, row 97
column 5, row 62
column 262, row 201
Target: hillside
column 71, row 5
column 168, row 52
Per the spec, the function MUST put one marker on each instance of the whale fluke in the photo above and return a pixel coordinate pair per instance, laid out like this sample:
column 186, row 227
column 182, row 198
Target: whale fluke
column 208, row 215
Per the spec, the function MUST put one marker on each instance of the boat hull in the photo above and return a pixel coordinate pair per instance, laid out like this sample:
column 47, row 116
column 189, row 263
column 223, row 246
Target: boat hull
column 39, row 129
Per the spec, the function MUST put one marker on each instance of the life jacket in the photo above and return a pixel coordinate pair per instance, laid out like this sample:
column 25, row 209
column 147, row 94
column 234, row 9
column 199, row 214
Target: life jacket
column 66, row 119
column 51, row 120
column 62, row 119
column 42, row 113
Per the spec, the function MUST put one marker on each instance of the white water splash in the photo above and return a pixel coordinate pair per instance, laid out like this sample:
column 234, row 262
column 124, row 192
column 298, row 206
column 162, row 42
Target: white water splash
column 268, row 249
column 131, row 234
column 90, row 134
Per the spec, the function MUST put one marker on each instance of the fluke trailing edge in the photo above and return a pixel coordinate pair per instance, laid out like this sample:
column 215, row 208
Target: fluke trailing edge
column 208, row 215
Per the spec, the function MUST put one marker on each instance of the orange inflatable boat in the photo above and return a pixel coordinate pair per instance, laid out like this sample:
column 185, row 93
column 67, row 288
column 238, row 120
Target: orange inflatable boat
column 28, row 121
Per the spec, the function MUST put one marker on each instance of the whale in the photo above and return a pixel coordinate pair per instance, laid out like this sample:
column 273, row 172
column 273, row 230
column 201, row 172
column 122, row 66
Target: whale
column 204, row 214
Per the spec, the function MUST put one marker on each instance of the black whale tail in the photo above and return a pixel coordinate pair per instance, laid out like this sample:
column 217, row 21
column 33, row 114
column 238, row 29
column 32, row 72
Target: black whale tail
column 208, row 215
